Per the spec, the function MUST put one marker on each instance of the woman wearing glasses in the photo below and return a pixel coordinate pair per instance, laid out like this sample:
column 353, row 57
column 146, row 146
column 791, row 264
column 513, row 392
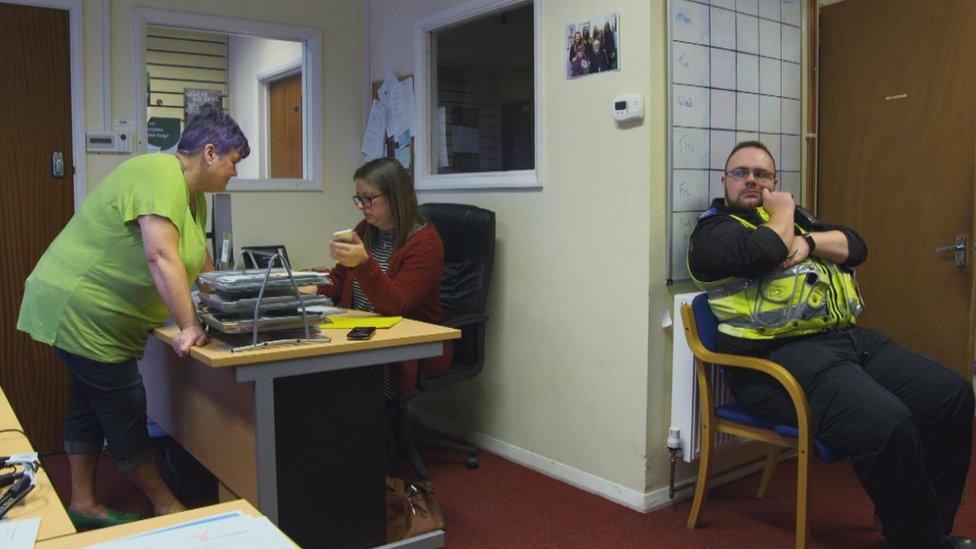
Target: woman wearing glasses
column 394, row 262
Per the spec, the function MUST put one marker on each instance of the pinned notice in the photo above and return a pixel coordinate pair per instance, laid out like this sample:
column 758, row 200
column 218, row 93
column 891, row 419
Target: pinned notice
column 388, row 93
column 373, row 139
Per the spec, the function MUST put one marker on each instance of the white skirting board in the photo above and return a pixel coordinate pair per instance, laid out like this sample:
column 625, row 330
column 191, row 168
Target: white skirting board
column 639, row 501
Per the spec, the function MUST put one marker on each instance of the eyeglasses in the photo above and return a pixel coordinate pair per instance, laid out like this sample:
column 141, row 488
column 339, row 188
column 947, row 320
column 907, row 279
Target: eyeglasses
column 364, row 200
column 741, row 174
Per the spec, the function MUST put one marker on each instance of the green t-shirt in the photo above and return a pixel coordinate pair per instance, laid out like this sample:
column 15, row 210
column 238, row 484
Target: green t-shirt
column 91, row 293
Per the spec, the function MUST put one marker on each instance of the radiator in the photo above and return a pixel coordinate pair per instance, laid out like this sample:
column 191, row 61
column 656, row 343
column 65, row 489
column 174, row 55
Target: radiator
column 684, row 392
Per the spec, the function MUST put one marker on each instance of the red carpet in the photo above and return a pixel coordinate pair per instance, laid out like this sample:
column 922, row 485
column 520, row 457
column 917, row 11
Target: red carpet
column 502, row 504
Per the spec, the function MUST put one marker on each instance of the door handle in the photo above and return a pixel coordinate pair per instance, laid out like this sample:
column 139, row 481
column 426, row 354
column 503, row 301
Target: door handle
column 959, row 247
column 57, row 164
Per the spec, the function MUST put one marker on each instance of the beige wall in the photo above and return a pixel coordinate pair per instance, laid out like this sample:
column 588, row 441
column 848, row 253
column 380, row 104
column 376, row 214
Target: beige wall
column 567, row 373
column 579, row 366
column 299, row 220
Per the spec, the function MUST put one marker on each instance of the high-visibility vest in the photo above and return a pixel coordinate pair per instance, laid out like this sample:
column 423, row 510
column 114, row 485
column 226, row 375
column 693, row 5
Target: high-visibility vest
column 813, row 296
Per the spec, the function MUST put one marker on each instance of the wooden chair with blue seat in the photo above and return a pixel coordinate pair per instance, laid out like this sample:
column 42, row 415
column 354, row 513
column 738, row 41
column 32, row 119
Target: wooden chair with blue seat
column 701, row 332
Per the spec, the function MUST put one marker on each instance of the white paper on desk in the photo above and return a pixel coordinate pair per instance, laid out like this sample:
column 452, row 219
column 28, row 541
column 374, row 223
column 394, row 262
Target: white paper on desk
column 465, row 140
column 442, row 160
column 213, row 518
column 238, row 532
column 19, row 534
column 375, row 136
column 388, row 92
column 269, row 534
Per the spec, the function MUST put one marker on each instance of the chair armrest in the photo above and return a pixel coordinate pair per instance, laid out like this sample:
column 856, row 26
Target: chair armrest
column 774, row 370
column 465, row 320
column 777, row 372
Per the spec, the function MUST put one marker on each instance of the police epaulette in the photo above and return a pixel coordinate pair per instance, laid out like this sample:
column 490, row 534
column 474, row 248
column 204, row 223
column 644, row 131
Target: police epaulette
column 708, row 213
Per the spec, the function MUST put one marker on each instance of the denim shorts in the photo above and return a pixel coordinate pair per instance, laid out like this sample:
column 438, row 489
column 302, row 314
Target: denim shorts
column 107, row 404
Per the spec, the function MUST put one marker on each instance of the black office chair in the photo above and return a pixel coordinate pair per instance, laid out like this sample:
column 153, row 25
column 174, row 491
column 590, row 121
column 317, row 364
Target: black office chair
column 468, row 233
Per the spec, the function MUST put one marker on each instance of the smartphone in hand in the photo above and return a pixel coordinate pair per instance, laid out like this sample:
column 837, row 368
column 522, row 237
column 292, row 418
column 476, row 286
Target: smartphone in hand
column 343, row 236
column 360, row 334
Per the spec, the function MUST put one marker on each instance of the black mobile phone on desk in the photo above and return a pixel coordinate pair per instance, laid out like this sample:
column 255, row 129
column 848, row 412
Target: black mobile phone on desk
column 360, row 334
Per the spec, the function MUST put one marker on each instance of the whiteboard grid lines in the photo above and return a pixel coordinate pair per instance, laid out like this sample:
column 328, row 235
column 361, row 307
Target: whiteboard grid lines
column 733, row 50
column 734, row 76
column 759, row 17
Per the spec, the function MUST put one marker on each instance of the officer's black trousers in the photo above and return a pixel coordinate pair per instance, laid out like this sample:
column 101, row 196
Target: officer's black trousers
column 905, row 420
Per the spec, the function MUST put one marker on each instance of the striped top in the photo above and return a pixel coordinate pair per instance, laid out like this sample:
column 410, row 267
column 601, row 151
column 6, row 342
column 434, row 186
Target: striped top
column 380, row 252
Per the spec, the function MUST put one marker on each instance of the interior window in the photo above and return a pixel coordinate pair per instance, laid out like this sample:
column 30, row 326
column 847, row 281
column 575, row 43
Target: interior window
column 256, row 80
column 482, row 95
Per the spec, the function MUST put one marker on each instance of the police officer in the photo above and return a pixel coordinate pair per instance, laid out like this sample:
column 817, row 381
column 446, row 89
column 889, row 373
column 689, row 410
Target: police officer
column 782, row 287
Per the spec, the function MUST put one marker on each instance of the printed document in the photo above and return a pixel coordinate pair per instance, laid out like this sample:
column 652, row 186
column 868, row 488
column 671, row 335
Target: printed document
column 375, row 136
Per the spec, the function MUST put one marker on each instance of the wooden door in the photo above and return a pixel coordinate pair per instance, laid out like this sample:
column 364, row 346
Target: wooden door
column 285, row 122
column 897, row 160
column 35, row 121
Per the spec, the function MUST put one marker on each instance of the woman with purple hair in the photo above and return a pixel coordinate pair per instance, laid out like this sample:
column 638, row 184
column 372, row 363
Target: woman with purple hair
column 119, row 268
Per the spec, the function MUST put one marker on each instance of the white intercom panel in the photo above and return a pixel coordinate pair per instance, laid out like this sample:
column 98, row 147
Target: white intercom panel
column 108, row 142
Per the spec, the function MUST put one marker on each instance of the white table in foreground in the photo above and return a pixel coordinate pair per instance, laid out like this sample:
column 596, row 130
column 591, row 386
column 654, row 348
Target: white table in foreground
column 113, row 533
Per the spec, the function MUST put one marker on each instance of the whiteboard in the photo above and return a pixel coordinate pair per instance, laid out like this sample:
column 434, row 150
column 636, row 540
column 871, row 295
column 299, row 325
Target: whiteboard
column 735, row 74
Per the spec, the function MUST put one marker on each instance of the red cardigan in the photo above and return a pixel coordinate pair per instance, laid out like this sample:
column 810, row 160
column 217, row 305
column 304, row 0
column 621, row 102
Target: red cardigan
column 410, row 287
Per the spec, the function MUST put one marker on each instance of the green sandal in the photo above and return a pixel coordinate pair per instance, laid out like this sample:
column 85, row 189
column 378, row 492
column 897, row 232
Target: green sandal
column 114, row 517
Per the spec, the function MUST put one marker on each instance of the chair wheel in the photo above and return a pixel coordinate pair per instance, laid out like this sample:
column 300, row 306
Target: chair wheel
column 472, row 462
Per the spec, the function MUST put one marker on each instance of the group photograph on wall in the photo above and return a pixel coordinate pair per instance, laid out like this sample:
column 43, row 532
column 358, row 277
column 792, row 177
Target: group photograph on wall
column 592, row 46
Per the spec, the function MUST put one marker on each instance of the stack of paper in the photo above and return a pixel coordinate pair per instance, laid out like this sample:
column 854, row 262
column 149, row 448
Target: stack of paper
column 230, row 530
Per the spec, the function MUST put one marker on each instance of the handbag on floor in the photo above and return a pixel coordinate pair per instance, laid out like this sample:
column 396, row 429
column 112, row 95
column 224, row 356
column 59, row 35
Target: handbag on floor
column 411, row 510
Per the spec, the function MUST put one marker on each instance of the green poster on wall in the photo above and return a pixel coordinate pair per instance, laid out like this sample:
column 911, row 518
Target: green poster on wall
column 163, row 134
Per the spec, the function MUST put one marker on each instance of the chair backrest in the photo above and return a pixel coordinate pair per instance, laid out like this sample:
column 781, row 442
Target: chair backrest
column 706, row 322
column 468, row 234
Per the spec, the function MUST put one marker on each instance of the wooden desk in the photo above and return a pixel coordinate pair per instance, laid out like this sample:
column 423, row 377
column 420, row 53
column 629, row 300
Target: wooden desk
column 42, row 501
column 103, row 535
column 8, row 420
column 296, row 430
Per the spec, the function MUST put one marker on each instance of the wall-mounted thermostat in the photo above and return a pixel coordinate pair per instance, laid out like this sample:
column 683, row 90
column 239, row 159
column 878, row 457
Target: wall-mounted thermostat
column 108, row 142
column 628, row 107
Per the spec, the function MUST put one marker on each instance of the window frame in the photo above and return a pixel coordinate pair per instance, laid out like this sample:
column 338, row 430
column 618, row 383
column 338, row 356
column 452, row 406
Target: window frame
column 311, row 66
column 424, row 179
